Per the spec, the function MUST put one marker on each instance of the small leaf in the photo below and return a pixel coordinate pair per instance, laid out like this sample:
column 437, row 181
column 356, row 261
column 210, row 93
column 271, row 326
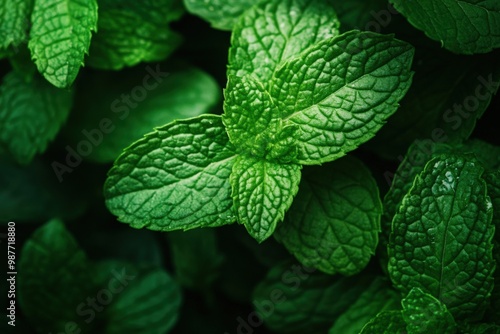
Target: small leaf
column 262, row 192
column 274, row 31
column 334, row 221
column 60, row 37
column 53, row 254
column 466, row 26
column 14, row 22
column 293, row 299
column 441, row 236
column 425, row 314
column 31, row 114
column 221, row 14
column 386, row 322
column 176, row 177
column 130, row 32
column 378, row 297
column 341, row 91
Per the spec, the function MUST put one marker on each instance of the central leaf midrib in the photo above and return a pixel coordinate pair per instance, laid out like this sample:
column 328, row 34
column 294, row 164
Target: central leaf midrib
column 443, row 250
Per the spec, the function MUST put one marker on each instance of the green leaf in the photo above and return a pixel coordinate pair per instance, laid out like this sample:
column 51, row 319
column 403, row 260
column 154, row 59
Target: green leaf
column 196, row 257
column 262, row 192
column 466, row 27
column 341, row 91
column 60, row 37
column 33, row 194
column 386, row 322
column 441, row 236
column 448, row 95
column 334, row 221
column 221, row 14
column 274, row 31
column 253, row 122
column 294, row 299
column 52, row 254
column 176, row 177
column 140, row 99
column 14, row 22
column 31, row 114
column 148, row 304
column 130, row 32
column 425, row 314
column 378, row 297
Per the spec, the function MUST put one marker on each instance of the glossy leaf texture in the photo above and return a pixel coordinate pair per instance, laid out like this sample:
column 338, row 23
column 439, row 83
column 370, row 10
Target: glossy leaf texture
column 262, row 192
column 341, row 91
column 441, row 239
column 176, row 177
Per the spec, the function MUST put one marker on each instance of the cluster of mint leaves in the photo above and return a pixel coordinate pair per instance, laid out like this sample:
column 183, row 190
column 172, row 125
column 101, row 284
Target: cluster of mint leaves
column 298, row 93
column 301, row 90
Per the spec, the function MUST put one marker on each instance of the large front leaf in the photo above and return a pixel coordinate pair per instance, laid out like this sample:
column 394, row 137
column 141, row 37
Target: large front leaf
column 174, row 178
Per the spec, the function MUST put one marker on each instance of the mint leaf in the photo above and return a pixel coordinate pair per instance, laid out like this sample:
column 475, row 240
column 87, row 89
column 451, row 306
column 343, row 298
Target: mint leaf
column 334, row 221
column 441, row 236
column 293, row 299
column 150, row 303
column 176, row 177
column 262, row 192
column 130, row 32
column 386, row 322
column 253, row 122
column 31, row 114
column 196, row 257
column 60, row 37
column 14, row 20
column 112, row 111
column 378, row 297
column 423, row 314
column 466, row 27
column 272, row 32
column 53, row 254
column 341, row 91
column 221, row 14
column 30, row 194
